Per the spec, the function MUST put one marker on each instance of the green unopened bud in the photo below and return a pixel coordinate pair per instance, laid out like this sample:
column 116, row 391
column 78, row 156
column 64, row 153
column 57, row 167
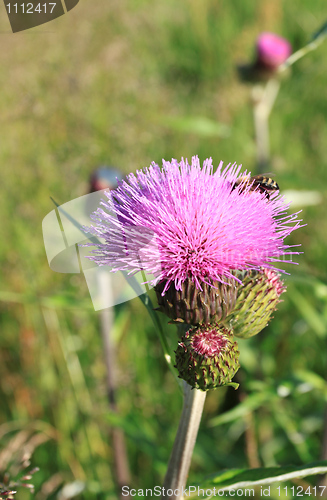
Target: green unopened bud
column 207, row 357
column 256, row 301
column 193, row 306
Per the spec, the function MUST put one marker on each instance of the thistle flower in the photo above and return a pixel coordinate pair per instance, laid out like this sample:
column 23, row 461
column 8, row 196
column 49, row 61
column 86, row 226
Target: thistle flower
column 272, row 50
column 182, row 222
column 207, row 357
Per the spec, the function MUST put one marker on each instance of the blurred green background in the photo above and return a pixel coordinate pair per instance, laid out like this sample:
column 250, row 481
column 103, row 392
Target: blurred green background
column 127, row 82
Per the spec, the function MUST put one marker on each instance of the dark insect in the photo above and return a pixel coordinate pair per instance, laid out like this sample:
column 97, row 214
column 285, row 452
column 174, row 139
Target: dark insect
column 261, row 183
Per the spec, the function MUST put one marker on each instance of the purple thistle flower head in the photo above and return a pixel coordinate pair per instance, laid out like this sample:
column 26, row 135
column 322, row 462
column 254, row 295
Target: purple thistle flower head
column 182, row 222
column 272, row 50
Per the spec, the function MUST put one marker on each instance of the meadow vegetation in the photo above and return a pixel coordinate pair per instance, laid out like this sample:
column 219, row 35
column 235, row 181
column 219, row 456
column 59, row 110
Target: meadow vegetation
column 126, row 83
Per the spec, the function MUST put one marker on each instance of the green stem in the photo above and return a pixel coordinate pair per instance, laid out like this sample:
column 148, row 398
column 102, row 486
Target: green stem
column 145, row 299
column 300, row 53
column 180, row 459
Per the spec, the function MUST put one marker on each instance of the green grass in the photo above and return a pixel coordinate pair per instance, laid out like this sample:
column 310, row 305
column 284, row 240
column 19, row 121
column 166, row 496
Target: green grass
column 111, row 83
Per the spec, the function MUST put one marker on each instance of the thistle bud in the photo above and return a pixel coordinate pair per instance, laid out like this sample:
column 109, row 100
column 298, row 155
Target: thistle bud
column 256, row 301
column 272, row 50
column 193, row 306
column 207, row 357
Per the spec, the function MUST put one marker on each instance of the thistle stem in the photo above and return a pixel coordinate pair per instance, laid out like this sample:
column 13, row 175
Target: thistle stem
column 180, row 459
column 263, row 99
column 118, row 437
column 300, row 53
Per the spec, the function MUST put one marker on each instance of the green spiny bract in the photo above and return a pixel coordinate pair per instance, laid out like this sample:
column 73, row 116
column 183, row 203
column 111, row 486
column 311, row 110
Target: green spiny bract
column 207, row 357
column 256, row 301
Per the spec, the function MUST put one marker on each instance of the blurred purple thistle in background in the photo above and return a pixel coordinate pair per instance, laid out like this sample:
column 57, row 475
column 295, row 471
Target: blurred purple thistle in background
column 272, row 50
column 272, row 56
column 104, row 177
column 271, row 53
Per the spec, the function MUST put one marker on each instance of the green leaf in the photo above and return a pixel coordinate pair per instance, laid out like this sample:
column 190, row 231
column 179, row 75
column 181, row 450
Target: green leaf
column 287, row 422
column 241, row 478
column 198, row 125
column 145, row 299
column 312, row 379
column 65, row 301
column 235, row 385
column 308, row 312
column 251, row 403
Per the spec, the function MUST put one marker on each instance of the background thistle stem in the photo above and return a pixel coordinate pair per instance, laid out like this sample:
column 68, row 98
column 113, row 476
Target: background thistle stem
column 263, row 99
column 180, row 459
column 118, row 437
